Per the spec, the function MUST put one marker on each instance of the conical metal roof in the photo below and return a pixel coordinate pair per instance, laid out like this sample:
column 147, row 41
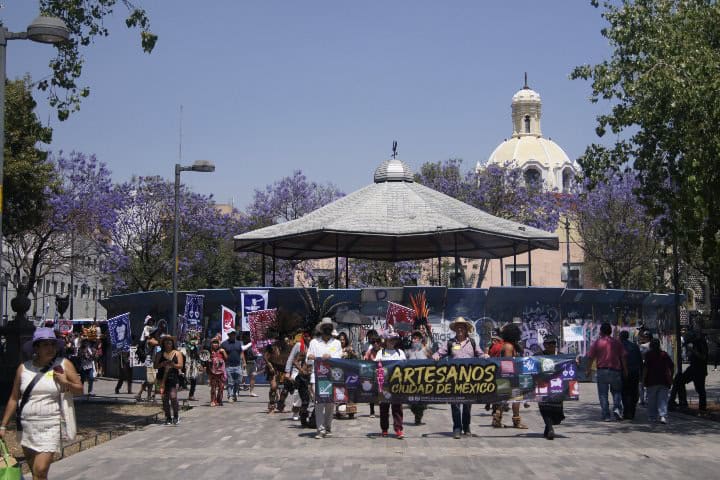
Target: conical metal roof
column 396, row 219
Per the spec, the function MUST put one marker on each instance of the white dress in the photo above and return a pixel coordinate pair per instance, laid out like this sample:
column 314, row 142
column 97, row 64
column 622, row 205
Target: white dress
column 40, row 416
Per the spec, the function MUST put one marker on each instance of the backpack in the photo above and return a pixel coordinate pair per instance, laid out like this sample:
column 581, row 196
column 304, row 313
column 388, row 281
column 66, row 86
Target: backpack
column 452, row 341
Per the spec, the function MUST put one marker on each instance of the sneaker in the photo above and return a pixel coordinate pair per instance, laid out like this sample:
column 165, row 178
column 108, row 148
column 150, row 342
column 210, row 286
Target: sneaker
column 618, row 415
column 234, row 399
column 168, row 421
column 328, row 433
column 176, row 421
column 372, row 415
column 253, row 394
column 319, row 435
column 467, row 433
column 384, row 433
column 296, row 418
column 399, row 434
column 456, row 434
column 663, row 420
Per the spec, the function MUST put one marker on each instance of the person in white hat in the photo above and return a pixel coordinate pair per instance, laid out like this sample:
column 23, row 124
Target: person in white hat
column 323, row 347
column 462, row 346
column 391, row 352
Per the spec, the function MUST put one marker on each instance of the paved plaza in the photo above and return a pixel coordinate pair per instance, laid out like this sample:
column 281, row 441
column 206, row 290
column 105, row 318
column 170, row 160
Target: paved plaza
column 239, row 440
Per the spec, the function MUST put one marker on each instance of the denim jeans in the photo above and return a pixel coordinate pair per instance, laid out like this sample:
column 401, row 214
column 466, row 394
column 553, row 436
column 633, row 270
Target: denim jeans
column 612, row 380
column 657, row 400
column 233, row 379
column 461, row 422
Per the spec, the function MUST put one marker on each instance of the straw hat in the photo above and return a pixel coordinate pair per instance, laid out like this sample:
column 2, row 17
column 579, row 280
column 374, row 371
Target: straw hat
column 462, row 321
column 324, row 322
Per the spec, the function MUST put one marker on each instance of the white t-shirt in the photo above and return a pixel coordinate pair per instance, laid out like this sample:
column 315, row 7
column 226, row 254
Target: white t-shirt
column 318, row 347
column 390, row 354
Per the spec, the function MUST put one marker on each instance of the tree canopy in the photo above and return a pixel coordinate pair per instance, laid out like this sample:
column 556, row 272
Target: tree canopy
column 661, row 84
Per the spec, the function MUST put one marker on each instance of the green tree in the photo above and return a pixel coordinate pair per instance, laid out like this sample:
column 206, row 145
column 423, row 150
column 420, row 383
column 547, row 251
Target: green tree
column 86, row 21
column 27, row 172
column 661, row 81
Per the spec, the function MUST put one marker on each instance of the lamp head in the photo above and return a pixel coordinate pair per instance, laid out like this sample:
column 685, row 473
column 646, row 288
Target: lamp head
column 48, row 30
column 203, row 166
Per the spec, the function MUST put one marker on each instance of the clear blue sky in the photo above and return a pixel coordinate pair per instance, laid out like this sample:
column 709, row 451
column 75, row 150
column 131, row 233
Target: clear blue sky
column 323, row 86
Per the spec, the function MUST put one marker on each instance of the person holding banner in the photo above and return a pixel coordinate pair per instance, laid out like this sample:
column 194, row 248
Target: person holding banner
column 462, row 346
column 419, row 350
column 324, row 347
column 510, row 335
column 551, row 411
column 391, row 352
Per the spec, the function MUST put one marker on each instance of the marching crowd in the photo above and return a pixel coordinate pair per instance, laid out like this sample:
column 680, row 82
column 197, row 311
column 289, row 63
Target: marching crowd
column 629, row 372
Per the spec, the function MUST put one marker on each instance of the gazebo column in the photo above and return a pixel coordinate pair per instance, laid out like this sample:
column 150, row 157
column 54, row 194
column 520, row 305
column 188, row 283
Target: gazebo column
column 273, row 267
column 514, row 264
column 262, row 267
column 337, row 265
column 502, row 273
column 529, row 266
column 347, row 272
column 439, row 270
column 457, row 263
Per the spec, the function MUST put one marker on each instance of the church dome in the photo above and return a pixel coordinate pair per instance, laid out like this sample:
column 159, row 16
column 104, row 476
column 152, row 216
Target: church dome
column 540, row 158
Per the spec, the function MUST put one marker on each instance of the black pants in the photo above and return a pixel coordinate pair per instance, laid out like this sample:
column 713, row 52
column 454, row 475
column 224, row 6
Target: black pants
column 630, row 394
column 124, row 375
column 193, row 384
column 691, row 374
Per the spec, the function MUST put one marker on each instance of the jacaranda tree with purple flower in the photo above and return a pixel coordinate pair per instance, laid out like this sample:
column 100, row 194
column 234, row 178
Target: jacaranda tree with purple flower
column 140, row 251
column 619, row 238
column 500, row 190
column 81, row 210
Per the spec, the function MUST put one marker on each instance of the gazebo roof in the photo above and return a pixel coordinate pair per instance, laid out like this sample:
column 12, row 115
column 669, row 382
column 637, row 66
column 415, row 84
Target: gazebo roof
column 396, row 219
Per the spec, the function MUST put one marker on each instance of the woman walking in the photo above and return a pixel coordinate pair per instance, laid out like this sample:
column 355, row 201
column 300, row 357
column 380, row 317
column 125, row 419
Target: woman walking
column 391, row 352
column 169, row 364
column 510, row 335
column 216, row 373
column 418, row 350
column 35, row 399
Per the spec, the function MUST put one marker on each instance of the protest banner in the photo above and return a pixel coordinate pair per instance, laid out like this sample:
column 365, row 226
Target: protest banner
column 251, row 301
column 193, row 311
column 120, row 335
column 476, row 380
column 399, row 317
column 260, row 323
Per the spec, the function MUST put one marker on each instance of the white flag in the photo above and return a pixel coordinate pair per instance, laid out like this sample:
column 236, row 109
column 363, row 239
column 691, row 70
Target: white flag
column 228, row 322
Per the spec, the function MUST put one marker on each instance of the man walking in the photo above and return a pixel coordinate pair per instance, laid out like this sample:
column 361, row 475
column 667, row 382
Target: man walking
column 462, row 346
column 234, row 364
column 611, row 366
column 631, row 381
column 697, row 352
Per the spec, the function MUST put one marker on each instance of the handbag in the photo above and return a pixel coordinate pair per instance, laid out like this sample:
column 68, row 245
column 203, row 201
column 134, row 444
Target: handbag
column 9, row 468
column 68, row 426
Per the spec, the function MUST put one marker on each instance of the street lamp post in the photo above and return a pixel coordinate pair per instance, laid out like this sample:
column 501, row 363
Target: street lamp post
column 197, row 166
column 43, row 30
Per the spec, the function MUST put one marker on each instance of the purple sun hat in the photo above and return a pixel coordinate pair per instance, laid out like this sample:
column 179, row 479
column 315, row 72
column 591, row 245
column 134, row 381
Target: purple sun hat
column 40, row 334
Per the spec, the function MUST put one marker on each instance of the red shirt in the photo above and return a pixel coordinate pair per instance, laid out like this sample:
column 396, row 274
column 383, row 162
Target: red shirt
column 608, row 352
column 659, row 369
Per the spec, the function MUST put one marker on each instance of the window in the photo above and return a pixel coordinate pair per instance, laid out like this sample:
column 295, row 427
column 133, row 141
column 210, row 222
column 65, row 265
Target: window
column 47, row 286
column 40, row 285
column 533, row 177
column 517, row 278
column 567, row 178
column 62, row 288
column 54, row 288
column 527, row 123
column 75, row 291
column 574, row 279
column 94, row 293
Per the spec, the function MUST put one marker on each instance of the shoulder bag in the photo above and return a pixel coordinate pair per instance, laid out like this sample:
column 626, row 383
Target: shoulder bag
column 27, row 392
column 9, row 468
